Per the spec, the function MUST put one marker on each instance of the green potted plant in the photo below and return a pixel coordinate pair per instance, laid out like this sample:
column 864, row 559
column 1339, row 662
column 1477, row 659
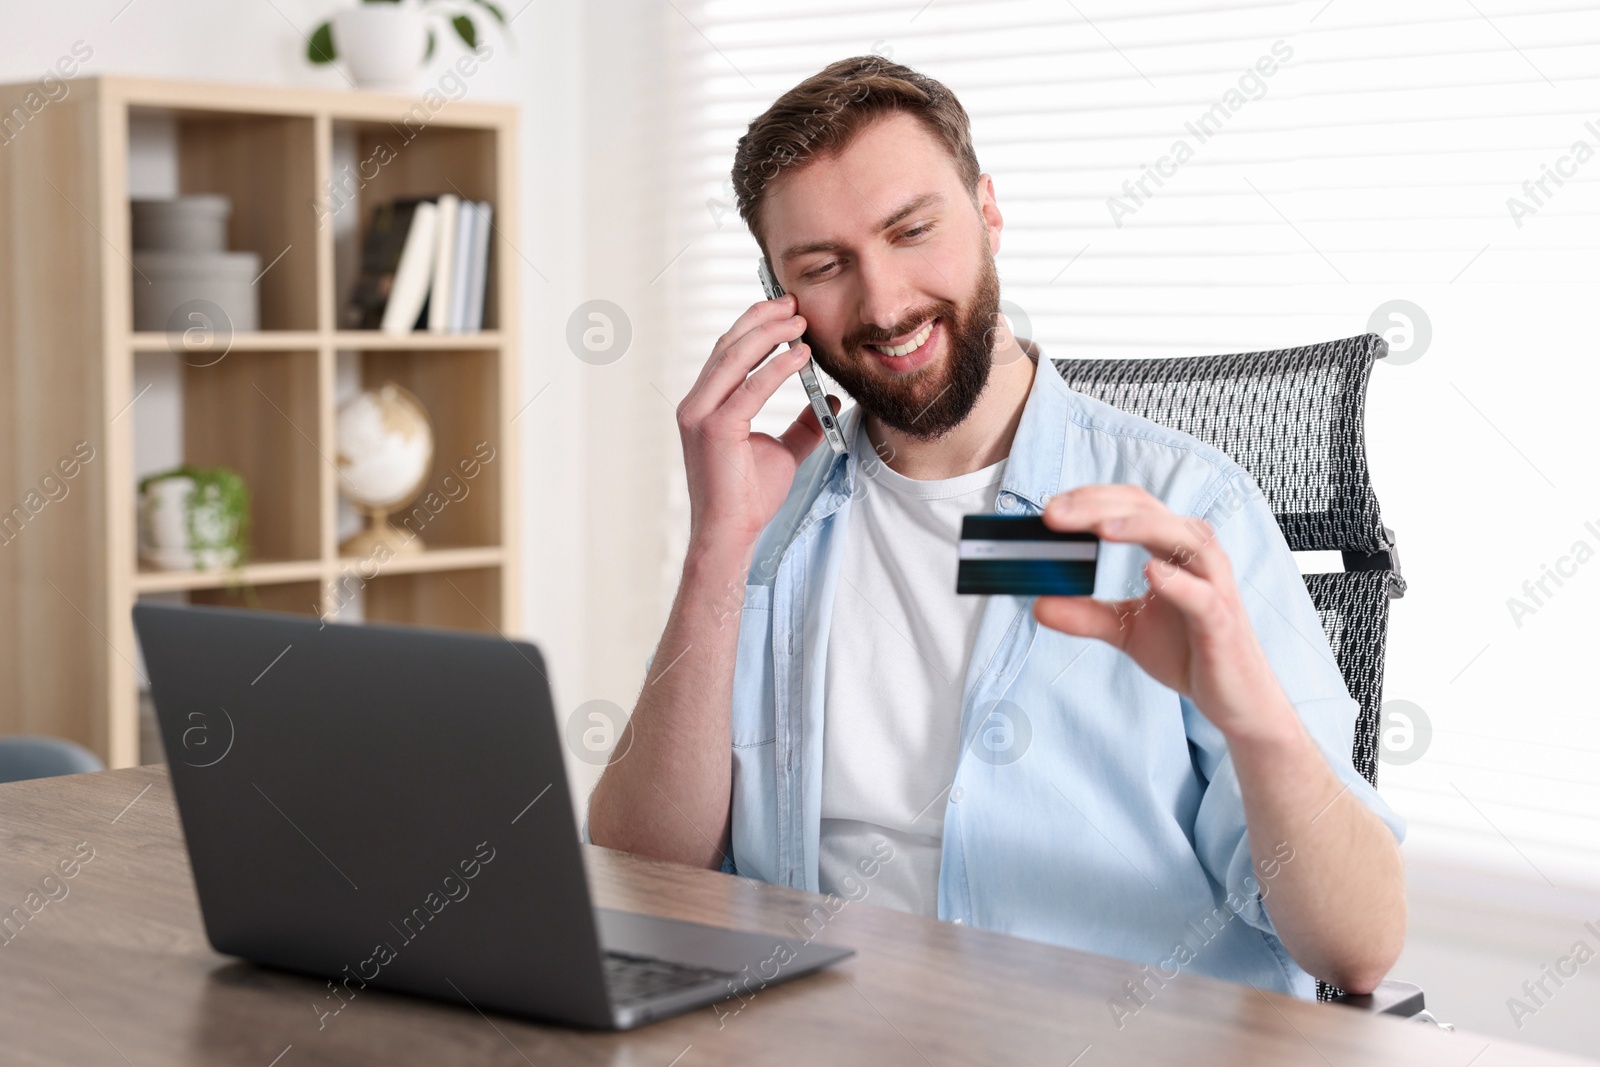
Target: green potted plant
column 194, row 518
column 385, row 42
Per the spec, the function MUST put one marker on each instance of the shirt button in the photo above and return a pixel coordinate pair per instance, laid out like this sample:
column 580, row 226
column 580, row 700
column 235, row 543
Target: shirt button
column 958, row 922
column 955, row 795
column 1006, row 500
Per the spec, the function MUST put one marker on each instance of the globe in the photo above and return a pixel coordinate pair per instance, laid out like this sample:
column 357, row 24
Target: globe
column 385, row 451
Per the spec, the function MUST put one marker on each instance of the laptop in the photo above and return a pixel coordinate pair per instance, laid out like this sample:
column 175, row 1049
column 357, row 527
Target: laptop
column 387, row 806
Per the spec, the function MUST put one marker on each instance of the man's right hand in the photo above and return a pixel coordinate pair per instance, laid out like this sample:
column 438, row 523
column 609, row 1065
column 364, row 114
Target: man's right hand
column 738, row 479
column 671, row 797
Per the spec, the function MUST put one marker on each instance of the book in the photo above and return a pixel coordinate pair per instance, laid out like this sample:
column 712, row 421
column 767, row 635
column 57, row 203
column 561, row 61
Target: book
column 444, row 262
column 414, row 275
column 478, row 271
column 460, row 281
column 380, row 258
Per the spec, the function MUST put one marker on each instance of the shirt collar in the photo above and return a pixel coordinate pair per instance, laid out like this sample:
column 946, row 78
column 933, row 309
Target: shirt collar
column 1033, row 471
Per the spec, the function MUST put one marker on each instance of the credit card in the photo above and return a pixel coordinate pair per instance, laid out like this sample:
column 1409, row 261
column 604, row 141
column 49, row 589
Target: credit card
column 1018, row 555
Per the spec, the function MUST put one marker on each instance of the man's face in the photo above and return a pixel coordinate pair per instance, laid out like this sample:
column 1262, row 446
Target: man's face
column 861, row 284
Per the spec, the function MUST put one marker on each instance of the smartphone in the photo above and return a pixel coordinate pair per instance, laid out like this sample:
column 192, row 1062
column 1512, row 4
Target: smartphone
column 1018, row 555
column 808, row 372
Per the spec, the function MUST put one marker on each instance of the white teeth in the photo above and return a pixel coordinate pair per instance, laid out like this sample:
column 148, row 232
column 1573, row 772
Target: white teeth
column 910, row 346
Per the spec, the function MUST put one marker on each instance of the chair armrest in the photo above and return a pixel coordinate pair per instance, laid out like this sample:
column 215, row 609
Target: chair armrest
column 1390, row 998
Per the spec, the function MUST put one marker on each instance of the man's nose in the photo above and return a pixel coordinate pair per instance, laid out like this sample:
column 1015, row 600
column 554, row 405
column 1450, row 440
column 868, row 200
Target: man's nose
column 887, row 294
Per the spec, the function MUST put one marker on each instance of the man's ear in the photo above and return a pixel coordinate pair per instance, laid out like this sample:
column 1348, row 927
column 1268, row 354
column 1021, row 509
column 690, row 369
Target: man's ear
column 989, row 211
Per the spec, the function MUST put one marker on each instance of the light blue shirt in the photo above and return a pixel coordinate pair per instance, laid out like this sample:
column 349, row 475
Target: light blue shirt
column 1091, row 806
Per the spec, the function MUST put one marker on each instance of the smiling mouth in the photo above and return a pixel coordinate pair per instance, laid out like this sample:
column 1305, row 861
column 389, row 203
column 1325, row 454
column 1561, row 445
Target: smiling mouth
column 914, row 342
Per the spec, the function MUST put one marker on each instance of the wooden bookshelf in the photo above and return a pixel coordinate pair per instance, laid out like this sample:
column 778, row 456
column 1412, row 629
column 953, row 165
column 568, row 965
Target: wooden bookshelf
column 69, row 572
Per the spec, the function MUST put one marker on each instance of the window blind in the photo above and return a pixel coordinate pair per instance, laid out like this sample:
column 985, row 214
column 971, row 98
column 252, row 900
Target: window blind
column 1180, row 178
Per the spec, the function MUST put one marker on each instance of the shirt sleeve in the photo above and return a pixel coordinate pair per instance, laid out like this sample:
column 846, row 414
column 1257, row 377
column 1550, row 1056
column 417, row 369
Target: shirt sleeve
column 1290, row 632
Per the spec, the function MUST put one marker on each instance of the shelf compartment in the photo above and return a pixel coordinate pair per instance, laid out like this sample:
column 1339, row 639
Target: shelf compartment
column 467, row 599
column 301, row 598
column 253, row 159
column 460, row 390
column 400, row 160
column 257, row 413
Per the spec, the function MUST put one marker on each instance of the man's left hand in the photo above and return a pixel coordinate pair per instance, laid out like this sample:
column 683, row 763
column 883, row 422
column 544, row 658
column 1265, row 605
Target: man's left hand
column 1189, row 631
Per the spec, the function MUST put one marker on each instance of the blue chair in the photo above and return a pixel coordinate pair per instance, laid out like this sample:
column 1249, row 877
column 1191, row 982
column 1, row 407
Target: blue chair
column 22, row 758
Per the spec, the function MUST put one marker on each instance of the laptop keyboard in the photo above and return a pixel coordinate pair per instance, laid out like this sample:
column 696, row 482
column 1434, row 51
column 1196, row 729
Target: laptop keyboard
column 632, row 978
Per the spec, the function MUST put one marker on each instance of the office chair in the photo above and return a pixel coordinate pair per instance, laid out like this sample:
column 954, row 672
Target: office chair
column 25, row 757
column 1295, row 418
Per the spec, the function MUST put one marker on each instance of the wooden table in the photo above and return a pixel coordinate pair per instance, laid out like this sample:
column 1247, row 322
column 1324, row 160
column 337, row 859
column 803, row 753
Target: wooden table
column 117, row 971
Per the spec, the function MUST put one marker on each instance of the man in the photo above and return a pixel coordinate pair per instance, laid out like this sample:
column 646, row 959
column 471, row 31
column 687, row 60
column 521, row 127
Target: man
column 1135, row 774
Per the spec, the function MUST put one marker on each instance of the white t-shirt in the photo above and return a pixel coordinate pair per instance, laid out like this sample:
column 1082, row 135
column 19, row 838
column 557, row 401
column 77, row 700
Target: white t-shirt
column 897, row 661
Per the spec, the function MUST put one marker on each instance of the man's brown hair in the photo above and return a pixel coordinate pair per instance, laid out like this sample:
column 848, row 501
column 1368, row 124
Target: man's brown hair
column 821, row 115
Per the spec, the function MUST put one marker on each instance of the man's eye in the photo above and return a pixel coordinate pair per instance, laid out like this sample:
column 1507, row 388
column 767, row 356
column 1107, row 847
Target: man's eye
column 822, row 270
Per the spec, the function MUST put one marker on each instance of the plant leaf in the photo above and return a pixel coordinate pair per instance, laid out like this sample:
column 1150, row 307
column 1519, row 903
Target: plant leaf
column 494, row 10
column 319, row 48
column 465, row 30
column 429, row 53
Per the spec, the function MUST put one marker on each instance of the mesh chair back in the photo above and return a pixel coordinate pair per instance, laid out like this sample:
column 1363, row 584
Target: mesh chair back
column 1294, row 418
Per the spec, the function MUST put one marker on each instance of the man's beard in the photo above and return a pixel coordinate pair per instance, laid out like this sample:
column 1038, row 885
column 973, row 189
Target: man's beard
column 925, row 403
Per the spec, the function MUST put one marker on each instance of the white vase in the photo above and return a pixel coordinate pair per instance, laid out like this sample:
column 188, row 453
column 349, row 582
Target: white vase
column 164, row 529
column 382, row 44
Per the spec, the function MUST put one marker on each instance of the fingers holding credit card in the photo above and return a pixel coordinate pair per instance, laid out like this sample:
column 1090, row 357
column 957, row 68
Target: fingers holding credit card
column 1189, row 630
